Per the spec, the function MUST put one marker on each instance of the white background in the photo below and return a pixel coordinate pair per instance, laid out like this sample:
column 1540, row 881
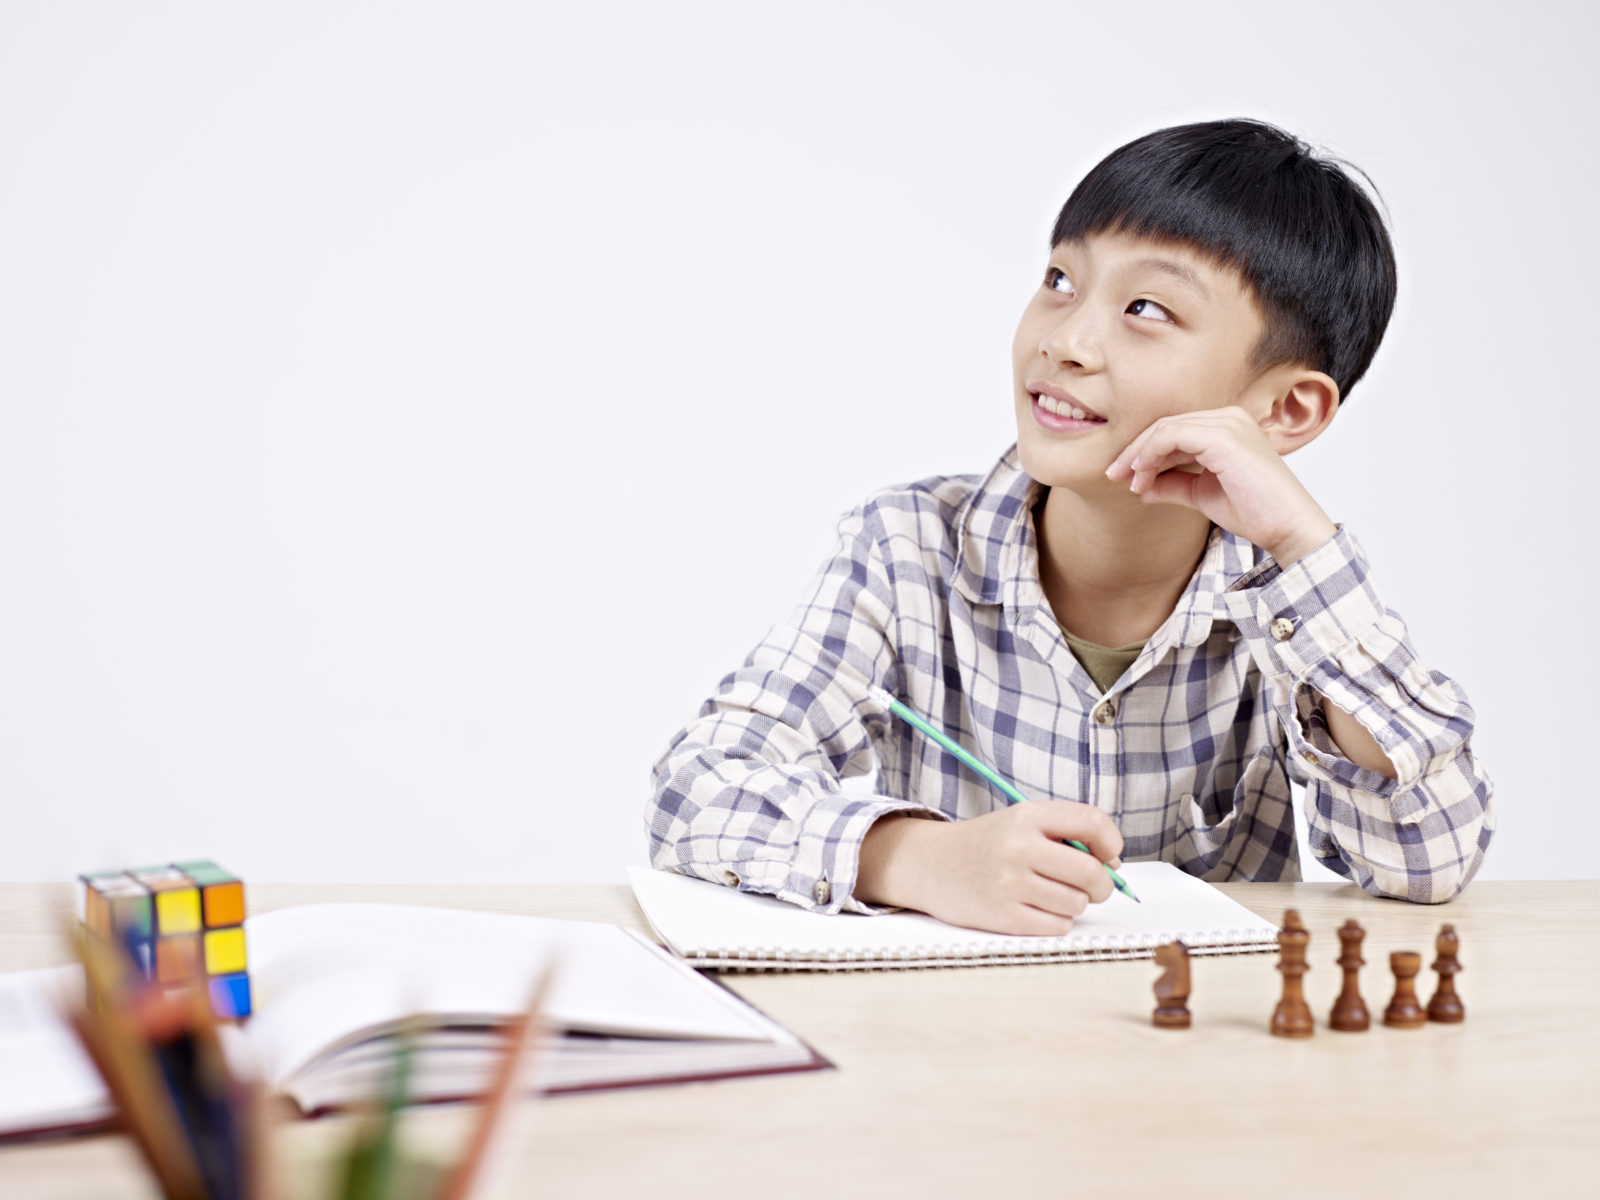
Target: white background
column 408, row 413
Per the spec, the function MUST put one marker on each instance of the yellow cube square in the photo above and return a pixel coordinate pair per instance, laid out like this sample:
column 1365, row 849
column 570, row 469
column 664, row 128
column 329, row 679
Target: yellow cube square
column 225, row 951
column 178, row 911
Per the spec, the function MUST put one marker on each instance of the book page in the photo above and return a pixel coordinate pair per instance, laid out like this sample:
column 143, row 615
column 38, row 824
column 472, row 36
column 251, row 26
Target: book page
column 328, row 975
column 46, row 1078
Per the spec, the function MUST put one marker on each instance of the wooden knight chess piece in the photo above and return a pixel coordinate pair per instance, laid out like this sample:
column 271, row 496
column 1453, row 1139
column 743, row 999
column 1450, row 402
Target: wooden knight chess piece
column 1404, row 1012
column 1172, row 988
column 1350, row 1010
column 1446, row 1006
column 1292, row 1017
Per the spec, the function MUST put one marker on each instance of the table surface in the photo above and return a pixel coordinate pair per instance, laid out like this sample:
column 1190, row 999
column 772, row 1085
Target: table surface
column 1026, row 1081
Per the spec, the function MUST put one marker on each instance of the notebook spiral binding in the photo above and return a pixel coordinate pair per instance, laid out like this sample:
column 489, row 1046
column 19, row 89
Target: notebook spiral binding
column 994, row 953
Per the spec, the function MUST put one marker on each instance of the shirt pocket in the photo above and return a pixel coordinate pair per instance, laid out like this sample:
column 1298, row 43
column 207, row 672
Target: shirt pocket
column 1207, row 827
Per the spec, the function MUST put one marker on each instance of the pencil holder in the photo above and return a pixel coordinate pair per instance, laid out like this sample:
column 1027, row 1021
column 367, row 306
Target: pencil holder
column 176, row 921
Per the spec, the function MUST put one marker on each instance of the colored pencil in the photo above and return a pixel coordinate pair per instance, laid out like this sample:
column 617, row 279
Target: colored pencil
column 511, row 1075
column 131, row 1070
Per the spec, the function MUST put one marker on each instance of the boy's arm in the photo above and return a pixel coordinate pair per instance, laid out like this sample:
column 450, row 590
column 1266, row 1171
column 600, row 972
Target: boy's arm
column 1405, row 809
column 1359, row 746
column 1325, row 640
column 748, row 793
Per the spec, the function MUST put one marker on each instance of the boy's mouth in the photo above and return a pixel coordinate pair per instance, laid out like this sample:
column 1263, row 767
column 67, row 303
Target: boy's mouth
column 1066, row 408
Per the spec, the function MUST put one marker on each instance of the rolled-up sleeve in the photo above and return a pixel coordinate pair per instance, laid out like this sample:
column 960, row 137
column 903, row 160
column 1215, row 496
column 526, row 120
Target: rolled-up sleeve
column 1320, row 629
column 748, row 793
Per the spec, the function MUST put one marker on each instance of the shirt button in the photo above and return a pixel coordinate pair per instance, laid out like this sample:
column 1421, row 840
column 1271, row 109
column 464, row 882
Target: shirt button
column 1310, row 756
column 821, row 892
column 1283, row 629
column 1106, row 713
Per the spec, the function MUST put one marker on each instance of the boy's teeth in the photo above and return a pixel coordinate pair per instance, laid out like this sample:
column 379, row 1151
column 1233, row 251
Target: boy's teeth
column 1061, row 409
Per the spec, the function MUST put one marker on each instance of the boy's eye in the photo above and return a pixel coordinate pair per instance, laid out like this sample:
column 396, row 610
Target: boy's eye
column 1149, row 307
column 1139, row 308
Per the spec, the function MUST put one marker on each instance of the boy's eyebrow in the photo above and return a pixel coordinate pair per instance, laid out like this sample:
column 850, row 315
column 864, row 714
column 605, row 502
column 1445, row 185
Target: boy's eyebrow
column 1177, row 270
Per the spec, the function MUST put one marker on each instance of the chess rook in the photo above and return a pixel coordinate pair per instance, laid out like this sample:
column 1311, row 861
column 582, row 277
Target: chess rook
column 1350, row 1010
column 1446, row 1006
column 1292, row 1017
column 1404, row 1012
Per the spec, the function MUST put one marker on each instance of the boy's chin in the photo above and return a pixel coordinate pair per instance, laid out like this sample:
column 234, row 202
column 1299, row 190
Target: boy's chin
column 1077, row 468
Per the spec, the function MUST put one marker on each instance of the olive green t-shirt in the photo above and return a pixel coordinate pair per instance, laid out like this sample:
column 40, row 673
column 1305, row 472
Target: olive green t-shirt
column 1105, row 664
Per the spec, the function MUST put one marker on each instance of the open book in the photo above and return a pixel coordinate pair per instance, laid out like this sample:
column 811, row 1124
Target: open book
column 335, row 982
column 712, row 925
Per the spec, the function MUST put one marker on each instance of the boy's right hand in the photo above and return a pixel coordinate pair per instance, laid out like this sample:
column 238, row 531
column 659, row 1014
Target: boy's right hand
column 1006, row 871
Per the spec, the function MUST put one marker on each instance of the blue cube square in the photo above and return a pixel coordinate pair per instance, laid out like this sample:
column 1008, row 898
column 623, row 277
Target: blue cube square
column 230, row 995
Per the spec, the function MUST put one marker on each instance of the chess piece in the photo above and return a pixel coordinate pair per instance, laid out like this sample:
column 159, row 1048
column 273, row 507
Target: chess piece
column 1350, row 1010
column 1404, row 1012
column 1292, row 1017
column 1446, row 1006
column 1172, row 989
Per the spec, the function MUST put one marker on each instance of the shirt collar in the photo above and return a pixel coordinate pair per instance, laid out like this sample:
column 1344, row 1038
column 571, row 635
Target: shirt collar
column 997, row 555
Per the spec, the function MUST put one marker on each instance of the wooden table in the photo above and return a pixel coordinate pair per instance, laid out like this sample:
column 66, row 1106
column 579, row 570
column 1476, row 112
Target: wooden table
column 1050, row 1080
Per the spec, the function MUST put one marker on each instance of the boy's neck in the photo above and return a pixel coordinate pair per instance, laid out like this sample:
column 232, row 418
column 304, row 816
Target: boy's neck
column 1114, row 572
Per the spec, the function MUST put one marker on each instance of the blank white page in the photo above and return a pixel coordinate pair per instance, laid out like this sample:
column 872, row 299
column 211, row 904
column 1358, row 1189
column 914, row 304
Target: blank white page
column 697, row 918
column 326, row 974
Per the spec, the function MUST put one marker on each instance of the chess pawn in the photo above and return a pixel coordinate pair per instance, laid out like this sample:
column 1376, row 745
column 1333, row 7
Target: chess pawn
column 1172, row 988
column 1350, row 1010
column 1446, row 1006
column 1292, row 1017
column 1404, row 1012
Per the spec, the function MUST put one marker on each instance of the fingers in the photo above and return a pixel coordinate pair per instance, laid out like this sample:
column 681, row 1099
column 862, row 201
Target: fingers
column 1071, row 868
column 1010, row 872
column 1034, row 922
column 1059, row 819
column 1058, row 898
column 1174, row 440
column 1064, row 868
column 1175, row 487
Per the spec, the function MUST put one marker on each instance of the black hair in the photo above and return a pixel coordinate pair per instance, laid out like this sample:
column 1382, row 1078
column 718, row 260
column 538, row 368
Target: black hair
column 1247, row 195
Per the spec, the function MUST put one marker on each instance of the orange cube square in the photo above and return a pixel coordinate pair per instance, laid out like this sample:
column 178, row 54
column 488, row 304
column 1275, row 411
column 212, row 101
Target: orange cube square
column 224, row 904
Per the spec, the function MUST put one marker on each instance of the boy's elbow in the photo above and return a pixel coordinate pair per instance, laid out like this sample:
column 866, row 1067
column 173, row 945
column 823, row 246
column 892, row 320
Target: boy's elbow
column 668, row 812
column 1443, row 846
column 1427, row 880
column 1444, row 884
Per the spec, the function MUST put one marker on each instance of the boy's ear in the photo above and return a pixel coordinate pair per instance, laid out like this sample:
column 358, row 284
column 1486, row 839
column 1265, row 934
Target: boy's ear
column 1300, row 409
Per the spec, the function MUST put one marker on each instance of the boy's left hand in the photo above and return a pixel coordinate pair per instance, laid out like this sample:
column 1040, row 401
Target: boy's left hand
column 1243, row 485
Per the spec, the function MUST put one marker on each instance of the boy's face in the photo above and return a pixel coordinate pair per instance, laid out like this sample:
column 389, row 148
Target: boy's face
column 1129, row 341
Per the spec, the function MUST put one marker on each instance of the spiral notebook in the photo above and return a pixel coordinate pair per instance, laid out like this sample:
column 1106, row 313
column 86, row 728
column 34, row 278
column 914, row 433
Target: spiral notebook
column 712, row 925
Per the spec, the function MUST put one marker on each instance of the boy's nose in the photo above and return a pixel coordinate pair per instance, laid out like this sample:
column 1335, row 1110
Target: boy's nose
column 1072, row 340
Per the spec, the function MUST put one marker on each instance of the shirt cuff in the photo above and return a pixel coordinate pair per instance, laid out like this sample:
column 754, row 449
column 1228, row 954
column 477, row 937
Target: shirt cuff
column 1300, row 621
column 822, row 875
column 1305, row 613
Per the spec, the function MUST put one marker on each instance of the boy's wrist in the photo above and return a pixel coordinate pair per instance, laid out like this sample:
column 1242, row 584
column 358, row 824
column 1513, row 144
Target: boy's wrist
column 1302, row 541
column 886, row 873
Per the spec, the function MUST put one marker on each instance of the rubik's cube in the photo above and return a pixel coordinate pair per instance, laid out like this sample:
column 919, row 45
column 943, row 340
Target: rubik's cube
column 176, row 921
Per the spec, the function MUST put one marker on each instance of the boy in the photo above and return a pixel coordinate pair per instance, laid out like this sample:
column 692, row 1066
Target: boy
column 1139, row 615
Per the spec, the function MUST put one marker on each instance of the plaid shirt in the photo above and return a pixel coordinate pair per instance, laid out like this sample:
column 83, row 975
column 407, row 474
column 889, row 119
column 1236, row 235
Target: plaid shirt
column 934, row 594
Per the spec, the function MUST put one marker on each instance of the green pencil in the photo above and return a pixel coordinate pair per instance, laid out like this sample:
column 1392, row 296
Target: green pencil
column 989, row 773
